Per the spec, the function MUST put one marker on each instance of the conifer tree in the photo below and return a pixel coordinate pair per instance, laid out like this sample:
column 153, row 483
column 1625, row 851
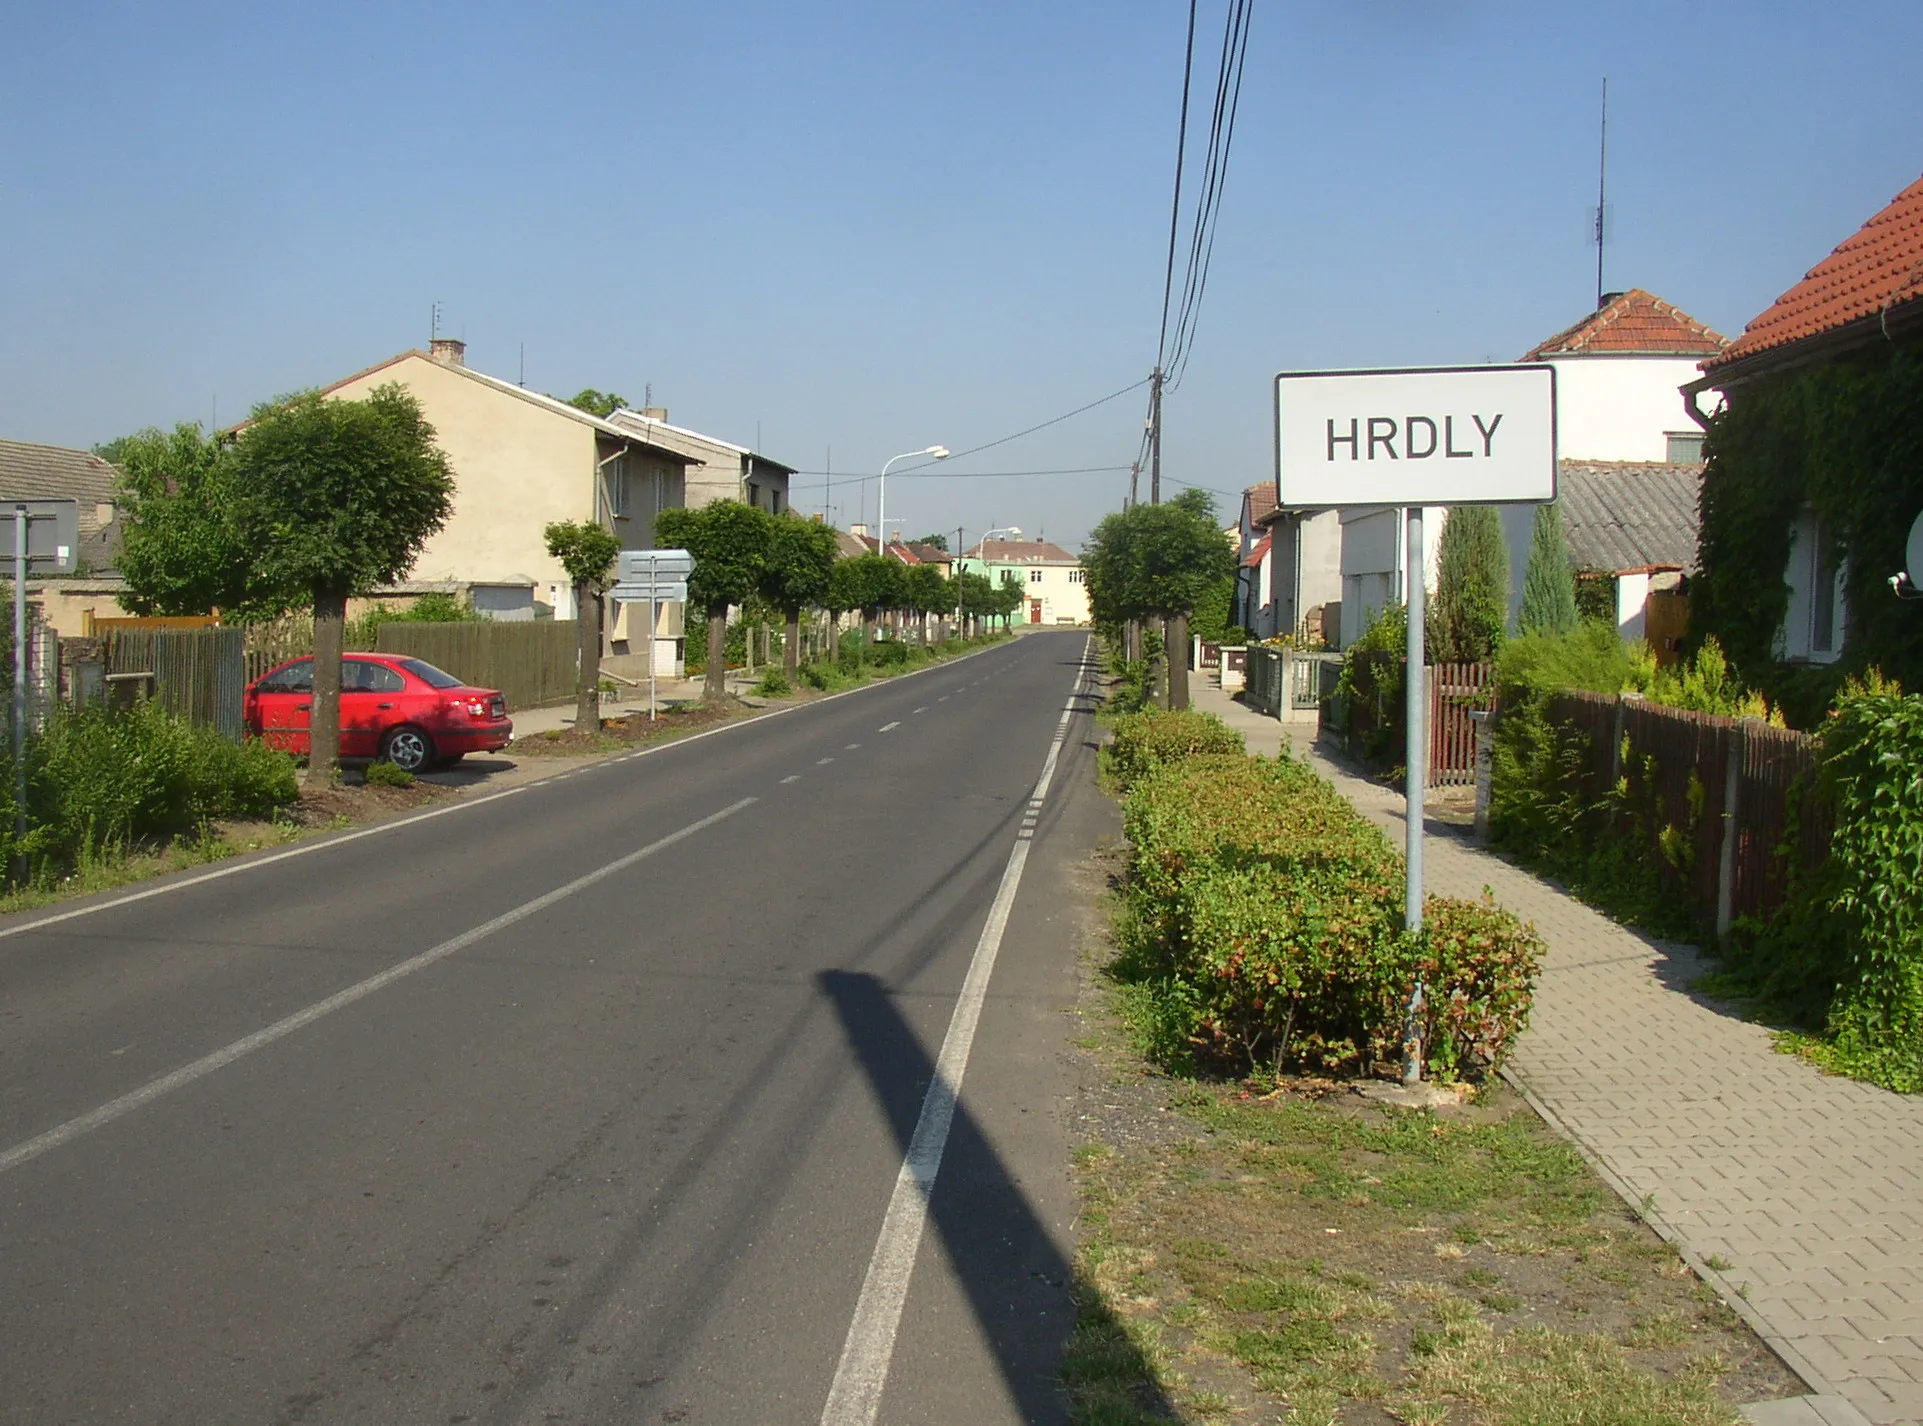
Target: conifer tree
column 1548, row 584
column 1472, row 586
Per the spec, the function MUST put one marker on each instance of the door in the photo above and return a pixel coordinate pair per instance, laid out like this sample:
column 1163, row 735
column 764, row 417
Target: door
column 286, row 701
column 368, row 705
column 1034, row 611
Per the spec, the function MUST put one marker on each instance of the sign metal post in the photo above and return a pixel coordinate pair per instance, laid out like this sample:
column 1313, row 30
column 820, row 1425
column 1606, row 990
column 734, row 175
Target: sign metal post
column 653, row 577
column 1399, row 440
column 45, row 533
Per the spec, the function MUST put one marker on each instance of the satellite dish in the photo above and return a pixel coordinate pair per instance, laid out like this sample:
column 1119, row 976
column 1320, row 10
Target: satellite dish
column 1914, row 552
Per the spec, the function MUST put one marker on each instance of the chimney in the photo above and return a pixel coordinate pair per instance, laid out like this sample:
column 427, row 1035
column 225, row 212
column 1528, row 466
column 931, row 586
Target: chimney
column 656, row 413
column 1607, row 298
column 451, row 350
column 858, row 530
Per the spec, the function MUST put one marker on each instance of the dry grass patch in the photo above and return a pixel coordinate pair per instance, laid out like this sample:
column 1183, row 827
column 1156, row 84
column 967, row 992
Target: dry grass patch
column 1329, row 1259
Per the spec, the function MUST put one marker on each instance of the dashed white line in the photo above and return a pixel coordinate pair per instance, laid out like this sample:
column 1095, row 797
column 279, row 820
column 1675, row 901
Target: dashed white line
column 889, row 727
column 823, row 762
column 922, row 709
column 851, row 747
column 791, row 777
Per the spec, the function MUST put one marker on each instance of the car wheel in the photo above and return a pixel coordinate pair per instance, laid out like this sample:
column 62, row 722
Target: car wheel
column 408, row 748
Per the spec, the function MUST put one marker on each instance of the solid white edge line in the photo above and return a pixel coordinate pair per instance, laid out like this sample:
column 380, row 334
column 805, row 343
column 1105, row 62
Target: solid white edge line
column 248, row 863
column 198, row 1069
column 854, row 1398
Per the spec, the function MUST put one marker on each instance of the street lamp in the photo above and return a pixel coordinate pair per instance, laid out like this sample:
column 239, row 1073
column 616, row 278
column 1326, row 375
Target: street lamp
column 983, row 546
column 881, row 493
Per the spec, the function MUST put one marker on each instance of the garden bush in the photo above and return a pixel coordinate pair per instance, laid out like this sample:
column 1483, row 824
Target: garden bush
column 1144, row 741
column 1263, row 933
column 99, row 779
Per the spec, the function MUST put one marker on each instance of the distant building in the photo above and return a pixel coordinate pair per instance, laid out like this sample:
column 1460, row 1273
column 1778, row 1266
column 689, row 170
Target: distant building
column 1053, row 582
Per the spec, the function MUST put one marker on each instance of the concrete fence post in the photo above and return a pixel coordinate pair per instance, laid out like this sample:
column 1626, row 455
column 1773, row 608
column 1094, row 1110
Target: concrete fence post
column 1726, row 860
column 1485, row 725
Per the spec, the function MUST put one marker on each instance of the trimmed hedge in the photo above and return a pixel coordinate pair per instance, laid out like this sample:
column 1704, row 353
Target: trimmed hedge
column 1145, row 741
column 1264, row 932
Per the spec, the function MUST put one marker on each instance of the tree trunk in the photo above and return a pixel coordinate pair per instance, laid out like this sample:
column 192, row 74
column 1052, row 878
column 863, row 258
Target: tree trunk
column 587, row 655
column 324, row 716
column 791, row 647
column 716, row 686
column 1177, row 649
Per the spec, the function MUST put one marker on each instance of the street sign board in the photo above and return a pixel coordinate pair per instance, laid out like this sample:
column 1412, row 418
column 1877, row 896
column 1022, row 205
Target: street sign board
column 53, row 534
column 1465, row 435
column 658, row 591
column 644, row 566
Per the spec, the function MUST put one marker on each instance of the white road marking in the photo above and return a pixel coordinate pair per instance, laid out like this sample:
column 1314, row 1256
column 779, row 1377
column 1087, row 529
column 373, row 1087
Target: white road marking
column 890, row 727
column 922, row 709
column 855, row 1397
column 851, row 747
column 944, row 698
column 791, row 777
column 199, row 1069
column 823, row 762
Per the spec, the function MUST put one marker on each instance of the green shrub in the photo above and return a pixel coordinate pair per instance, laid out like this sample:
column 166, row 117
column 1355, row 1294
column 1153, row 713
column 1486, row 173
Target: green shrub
column 1872, row 751
column 98, row 779
column 1263, row 931
column 385, row 774
column 1144, row 741
column 774, row 684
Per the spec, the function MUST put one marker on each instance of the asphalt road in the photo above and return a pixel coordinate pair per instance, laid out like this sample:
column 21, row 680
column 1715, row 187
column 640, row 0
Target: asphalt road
column 583, row 1103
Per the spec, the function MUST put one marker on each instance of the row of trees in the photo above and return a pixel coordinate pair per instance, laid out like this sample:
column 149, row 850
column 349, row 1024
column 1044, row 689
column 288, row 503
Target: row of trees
column 791, row 564
column 1155, row 564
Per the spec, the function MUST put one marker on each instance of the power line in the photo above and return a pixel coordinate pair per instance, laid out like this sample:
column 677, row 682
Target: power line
column 1175, row 206
column 1038, row 426
column 932, row 474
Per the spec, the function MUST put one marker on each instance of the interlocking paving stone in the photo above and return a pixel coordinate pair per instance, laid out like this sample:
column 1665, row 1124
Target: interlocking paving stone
column 1811, row 1187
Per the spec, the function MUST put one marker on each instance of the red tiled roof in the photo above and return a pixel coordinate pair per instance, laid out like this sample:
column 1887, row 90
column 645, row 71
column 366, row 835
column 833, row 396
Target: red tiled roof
column 1260, row 499
column 1022, row 552
column 1633, row 323
column 1259, row 552
column 1871, row 271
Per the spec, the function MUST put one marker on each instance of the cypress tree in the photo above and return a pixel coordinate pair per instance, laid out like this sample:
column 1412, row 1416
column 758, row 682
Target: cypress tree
column 1548, row 584
column 1472, row 586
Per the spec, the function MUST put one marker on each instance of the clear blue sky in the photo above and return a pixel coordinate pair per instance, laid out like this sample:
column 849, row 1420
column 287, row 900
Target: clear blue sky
column 872, row 227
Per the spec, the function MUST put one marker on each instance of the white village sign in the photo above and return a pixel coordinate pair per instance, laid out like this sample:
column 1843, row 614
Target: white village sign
column 1465, row 435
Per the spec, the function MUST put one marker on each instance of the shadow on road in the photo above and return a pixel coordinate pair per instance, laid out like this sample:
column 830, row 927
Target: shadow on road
column 1021, row 1286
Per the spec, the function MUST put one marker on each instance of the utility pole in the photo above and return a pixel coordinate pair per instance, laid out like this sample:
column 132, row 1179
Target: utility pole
column 1155, row 437
column 1134, row 477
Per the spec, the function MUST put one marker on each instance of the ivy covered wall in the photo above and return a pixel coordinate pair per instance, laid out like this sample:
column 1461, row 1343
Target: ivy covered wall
column 1844, row 439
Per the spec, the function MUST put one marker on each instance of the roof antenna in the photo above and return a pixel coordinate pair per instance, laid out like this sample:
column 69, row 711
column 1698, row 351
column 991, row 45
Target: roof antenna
column 1602, row 181
column 523, row 381
column 434, row 322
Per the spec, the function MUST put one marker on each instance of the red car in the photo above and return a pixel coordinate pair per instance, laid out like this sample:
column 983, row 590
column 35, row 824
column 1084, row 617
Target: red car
column 393, row 707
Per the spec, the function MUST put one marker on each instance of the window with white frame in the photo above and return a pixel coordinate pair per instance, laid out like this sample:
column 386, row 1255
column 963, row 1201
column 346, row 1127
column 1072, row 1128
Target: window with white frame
column 1818, row 611
column 1034, row 576
column 1685, row 447
column 1077, row 576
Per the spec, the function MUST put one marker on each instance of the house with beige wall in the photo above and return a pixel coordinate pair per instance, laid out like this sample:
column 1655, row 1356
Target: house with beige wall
column 522, row 460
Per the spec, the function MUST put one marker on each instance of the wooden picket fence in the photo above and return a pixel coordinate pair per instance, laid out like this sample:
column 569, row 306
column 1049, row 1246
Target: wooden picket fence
column 1375, row 713
column 532, row 663
column 1729, row 809
column 198, row 674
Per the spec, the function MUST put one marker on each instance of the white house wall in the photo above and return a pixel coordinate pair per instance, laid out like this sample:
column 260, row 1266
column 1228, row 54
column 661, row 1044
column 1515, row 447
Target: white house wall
column 1374, row 547
column 1620, row 407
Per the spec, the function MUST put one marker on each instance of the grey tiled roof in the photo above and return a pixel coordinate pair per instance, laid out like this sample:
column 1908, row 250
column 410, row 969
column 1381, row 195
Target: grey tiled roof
column 1629, row 515
column 31, row 472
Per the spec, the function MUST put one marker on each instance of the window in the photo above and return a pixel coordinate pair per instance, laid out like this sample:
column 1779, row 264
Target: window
column 1077, row 576
column 1685, row 447
column 429, row 674
column 617, row 471
column 295, row 678
column 366, row 676
column 1817, row 615
column 1034, row 576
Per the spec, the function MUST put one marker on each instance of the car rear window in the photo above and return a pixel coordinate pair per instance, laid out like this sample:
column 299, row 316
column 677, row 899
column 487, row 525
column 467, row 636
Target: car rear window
column 427, row 673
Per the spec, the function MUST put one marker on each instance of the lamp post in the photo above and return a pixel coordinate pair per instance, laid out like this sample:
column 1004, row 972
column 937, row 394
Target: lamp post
column 983, row 547
column 881, row 493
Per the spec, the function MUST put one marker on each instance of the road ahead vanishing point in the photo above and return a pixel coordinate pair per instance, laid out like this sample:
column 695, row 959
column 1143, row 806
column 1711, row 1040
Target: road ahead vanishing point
column 619, row 1097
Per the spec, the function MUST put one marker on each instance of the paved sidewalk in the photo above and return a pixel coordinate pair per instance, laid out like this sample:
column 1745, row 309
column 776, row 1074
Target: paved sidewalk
column 1809, row 1188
